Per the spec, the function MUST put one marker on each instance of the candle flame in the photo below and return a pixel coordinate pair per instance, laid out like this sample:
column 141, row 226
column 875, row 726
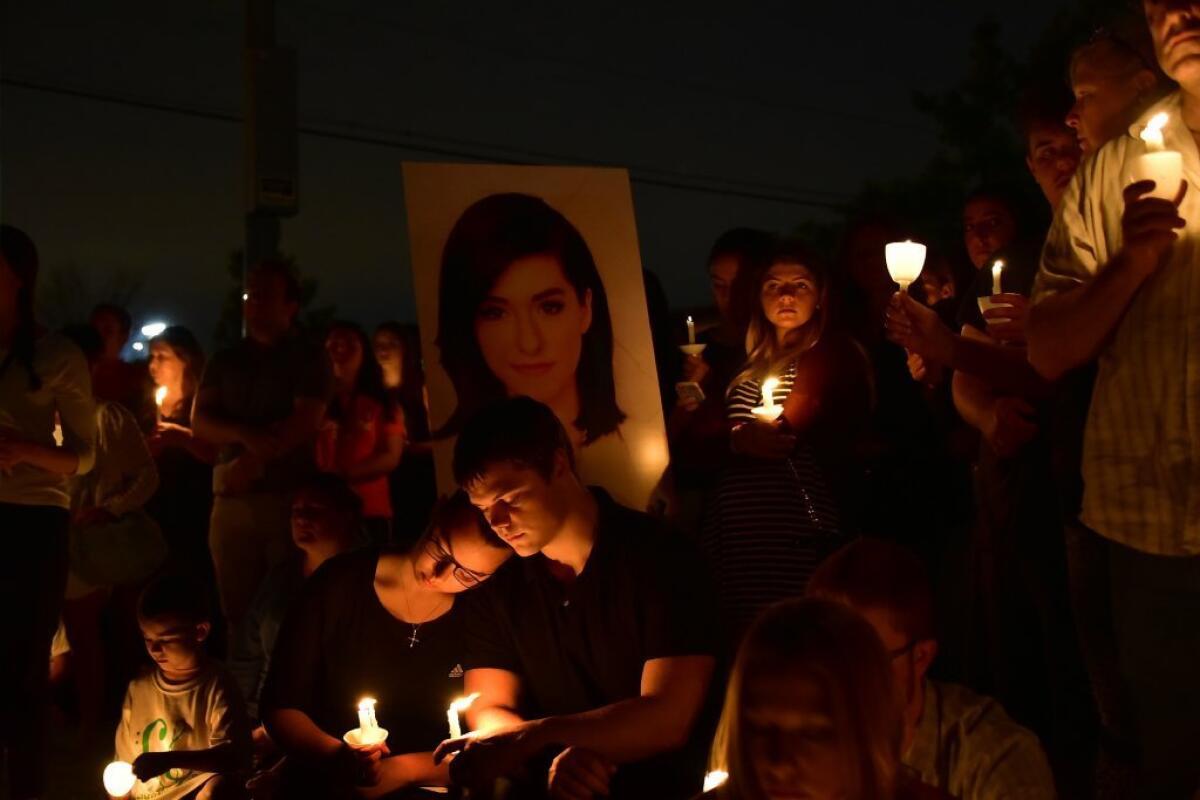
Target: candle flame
column 366, row 704
column 463, row 703
column 1157, row 122
column 1152, row 133
column 160, row 394
column 118, row 778
column 714, row 779
column 769, row 385
column 689, row 319
column 998, row 265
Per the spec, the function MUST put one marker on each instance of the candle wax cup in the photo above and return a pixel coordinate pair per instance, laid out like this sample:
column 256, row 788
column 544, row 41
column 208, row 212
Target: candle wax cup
column 767, row 414
column 1165, row 168
column 355, row 737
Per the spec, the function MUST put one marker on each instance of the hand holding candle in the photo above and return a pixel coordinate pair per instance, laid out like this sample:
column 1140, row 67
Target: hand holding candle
column 905, row 260
column 1164, row 167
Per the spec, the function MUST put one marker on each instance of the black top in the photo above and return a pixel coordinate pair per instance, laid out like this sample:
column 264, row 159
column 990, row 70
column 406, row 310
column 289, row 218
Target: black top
column 1021, row 261
column 642, row 595
column 339, row 644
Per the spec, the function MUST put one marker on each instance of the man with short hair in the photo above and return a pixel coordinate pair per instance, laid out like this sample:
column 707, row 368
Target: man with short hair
column 958, row 741
column 260, row 402
column 1118, row 285
column 1111, row 75
column 594, row 650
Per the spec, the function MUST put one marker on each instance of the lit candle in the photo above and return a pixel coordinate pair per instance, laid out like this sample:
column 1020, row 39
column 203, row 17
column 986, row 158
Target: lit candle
column 714, row 779
column 118, row 778
column 691, row 325
column 457, row 707
column 768, row 411
column 905, row 261
column 160, row 394
column 368, row 727
column 997, row 271
column 1164, row 167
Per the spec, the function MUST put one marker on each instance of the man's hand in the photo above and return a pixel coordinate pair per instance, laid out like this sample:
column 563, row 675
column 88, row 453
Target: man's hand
column 578, row 774
column 1007, row 325
column 1010, row 426
column 151, row 765
column 763, row 440
column 479, row 759
column 919, row 330
column 363, row 764
column 1149, row 226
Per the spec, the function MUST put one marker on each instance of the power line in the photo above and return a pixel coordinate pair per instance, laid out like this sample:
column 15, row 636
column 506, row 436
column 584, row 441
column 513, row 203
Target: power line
column 449, row 147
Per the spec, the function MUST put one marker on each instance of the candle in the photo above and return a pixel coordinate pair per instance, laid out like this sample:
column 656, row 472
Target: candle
column 904, row 261
column 691, row 325
column 768, row 392
column 714, row 779
column 457, row 707
column 1164, row 167
column 997, row 271
column 118, row 778
column 160, row 394
column 368, row 727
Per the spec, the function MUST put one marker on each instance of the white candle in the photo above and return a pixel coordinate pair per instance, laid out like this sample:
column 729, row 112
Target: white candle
column 691, row 325
column 1164, row 167
column 457, row 707
column 997, row 271
column 905, row 260
column 118, row 778
column 368, row 727
column 768, row 392
column 160, row 394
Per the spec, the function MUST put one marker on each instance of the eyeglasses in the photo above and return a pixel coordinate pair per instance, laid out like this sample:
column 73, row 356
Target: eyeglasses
column 443, row 559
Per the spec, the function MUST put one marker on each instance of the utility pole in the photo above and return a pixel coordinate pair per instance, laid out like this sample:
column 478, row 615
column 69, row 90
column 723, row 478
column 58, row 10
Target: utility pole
column 271, row 158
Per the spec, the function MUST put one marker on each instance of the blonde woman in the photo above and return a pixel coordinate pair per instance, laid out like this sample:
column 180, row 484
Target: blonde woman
column 810, row 712
column 777, row 509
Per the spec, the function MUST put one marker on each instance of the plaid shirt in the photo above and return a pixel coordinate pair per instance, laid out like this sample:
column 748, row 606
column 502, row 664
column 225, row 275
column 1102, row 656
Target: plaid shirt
column 1141, row 454
column 968, row 747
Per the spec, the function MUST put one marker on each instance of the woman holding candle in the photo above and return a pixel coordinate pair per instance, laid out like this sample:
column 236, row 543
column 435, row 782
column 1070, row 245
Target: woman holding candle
column 810, row 711
column 381, row 624
column 775, row 512
column 42, row 375
column 183, row 502
column 362, row 438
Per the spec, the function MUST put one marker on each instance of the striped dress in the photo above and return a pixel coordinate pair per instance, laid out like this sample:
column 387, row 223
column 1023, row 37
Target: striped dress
column 769, row 522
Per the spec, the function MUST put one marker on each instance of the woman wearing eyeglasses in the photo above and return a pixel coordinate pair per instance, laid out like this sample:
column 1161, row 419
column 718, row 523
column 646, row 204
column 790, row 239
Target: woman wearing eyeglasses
column 382, row 624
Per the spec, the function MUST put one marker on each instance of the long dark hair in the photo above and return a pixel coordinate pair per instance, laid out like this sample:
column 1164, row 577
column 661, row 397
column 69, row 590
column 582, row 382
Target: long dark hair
column 186, row 347
column 411, row 393
column 21, row 255
column 488, row 237
column 369, row 381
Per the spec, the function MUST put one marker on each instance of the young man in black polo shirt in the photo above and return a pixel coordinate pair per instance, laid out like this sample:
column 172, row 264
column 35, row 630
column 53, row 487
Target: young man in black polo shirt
column 595, row 650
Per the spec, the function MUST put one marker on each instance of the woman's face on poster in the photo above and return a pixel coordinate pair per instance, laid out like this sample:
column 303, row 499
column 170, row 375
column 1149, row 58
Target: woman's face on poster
column 530, row 328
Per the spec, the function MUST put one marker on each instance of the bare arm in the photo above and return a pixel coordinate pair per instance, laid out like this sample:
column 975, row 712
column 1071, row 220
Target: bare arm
column 295, row 732
column 208, row 423
column 499, row 693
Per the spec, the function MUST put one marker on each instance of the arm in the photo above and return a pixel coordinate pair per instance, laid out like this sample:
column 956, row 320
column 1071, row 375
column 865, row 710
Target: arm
column 499, row 694
column 221, row 759
column 382, row 462
column 660, row 720
column 208, row 423
column 296, row 733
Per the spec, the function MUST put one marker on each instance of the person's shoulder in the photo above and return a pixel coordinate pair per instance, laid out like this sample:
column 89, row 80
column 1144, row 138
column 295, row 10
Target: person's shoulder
column 346, row 572
column 977, row 715
column 640, row 538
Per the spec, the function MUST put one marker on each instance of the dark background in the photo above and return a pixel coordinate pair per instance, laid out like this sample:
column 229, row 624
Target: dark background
column 119, row 157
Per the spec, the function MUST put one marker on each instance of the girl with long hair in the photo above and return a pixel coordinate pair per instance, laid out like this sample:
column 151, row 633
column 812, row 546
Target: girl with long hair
column 362, row 438
column 776, row 510
column 810, row 711
column 42, row 376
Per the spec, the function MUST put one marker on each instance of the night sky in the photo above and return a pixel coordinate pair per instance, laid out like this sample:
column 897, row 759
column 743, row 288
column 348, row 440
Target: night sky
column 795, row 101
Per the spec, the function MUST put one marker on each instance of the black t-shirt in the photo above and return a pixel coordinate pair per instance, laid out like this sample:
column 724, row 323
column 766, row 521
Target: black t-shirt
column 339, row 644
column 643, row 594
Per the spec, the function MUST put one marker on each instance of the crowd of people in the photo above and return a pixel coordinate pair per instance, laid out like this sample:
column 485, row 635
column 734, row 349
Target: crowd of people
column 962, row 560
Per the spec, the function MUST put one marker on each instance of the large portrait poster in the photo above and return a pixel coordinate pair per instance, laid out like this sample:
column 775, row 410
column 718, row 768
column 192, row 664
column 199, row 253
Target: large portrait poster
column 529, row 282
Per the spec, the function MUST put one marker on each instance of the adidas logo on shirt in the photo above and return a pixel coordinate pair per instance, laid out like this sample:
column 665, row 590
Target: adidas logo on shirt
column 457, row 672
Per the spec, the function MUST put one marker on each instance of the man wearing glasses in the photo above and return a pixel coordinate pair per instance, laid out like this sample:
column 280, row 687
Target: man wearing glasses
column 592, row 652
column 954, row 739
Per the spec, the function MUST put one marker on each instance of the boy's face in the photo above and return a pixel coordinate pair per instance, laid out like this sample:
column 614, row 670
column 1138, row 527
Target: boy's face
column 174, row 645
